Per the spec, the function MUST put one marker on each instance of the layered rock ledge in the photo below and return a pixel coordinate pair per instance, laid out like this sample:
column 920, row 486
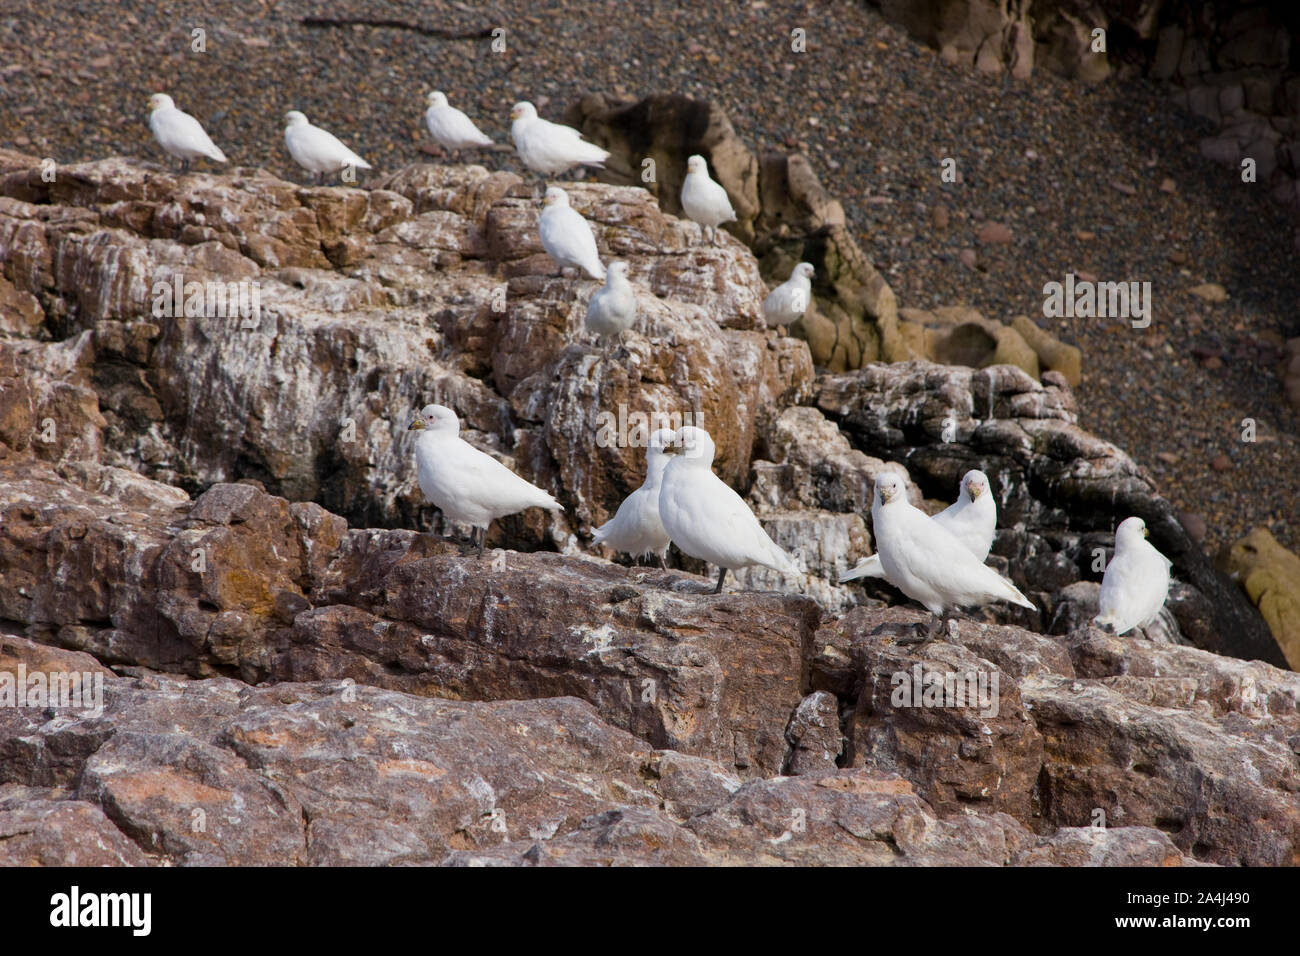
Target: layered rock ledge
column 219, row 520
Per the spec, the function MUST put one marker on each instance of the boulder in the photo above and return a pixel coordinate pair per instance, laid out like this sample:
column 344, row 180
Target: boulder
column 1270, row 576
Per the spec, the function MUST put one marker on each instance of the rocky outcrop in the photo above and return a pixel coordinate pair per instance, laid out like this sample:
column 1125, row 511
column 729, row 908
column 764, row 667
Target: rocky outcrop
column 432, row 286
column 371, row 304
column 1060, row 491
column 215, row 773
column 219, row 525
column 1151, row 709
column 310, row 693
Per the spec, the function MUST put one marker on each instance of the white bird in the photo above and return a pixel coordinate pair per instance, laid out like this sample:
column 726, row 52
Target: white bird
column 927, row 562
column 973, row 518
column 1136, row 582
column 566, row 236
column 612, row 310
column 179, row 133
column 705, row 518
column 703, row 200
column 450, row 128
column 467, row 485
column 788, row 301
column 549, row 148
column 635, row 527
column 316, row 150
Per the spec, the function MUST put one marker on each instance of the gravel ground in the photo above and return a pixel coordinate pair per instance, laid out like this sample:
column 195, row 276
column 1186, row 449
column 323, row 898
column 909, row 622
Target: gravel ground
column 1075, row 173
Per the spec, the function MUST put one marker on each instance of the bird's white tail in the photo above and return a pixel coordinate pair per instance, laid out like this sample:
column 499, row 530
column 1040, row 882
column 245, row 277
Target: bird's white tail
column 1014, row 596
column 868, row 568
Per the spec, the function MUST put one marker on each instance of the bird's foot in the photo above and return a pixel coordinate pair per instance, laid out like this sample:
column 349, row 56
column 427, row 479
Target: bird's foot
column 920, row 639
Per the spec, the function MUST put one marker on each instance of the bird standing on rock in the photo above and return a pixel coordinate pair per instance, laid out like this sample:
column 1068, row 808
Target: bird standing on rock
column 467, row 485
column 788, row 301
column 450, row 128
column 612, row 309
column 1136, row 582
column 566, row 236
column 636, row 527
column 929, row 563
column 972, row 518
column 705, row 518
column 703, row 200
column 179, row 133
column 549, row 148
column 316, row 150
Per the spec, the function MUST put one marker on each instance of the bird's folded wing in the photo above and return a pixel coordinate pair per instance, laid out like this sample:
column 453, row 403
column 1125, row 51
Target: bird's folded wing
column 482, row 479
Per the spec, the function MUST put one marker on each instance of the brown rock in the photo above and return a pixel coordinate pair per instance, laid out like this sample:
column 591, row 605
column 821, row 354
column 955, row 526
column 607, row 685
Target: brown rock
column 814, row 735
column 993, row 233
column 1176, row 713
column 1195, row 525
column 1210, row 292
column 48, row 828
column 1053, row 354
column 1100, row 846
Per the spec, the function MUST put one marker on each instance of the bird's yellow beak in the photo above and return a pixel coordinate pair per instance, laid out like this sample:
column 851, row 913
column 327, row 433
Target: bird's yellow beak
column 1146, row 532
column 417, row 424
column 975, row 492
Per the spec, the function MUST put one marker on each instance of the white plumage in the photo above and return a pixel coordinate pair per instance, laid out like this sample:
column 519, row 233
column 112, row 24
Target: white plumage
column 467, row 485
column 1136, row 582
column 927, row 562
column 549, row 148
column 705, row 518
column 636, row 528
column 451, row 128
column 612, row 309
column 179, row 133
column 316, row 150
column 703, row 200
column 972, row 518
column 788, row 301
column 566, row 236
